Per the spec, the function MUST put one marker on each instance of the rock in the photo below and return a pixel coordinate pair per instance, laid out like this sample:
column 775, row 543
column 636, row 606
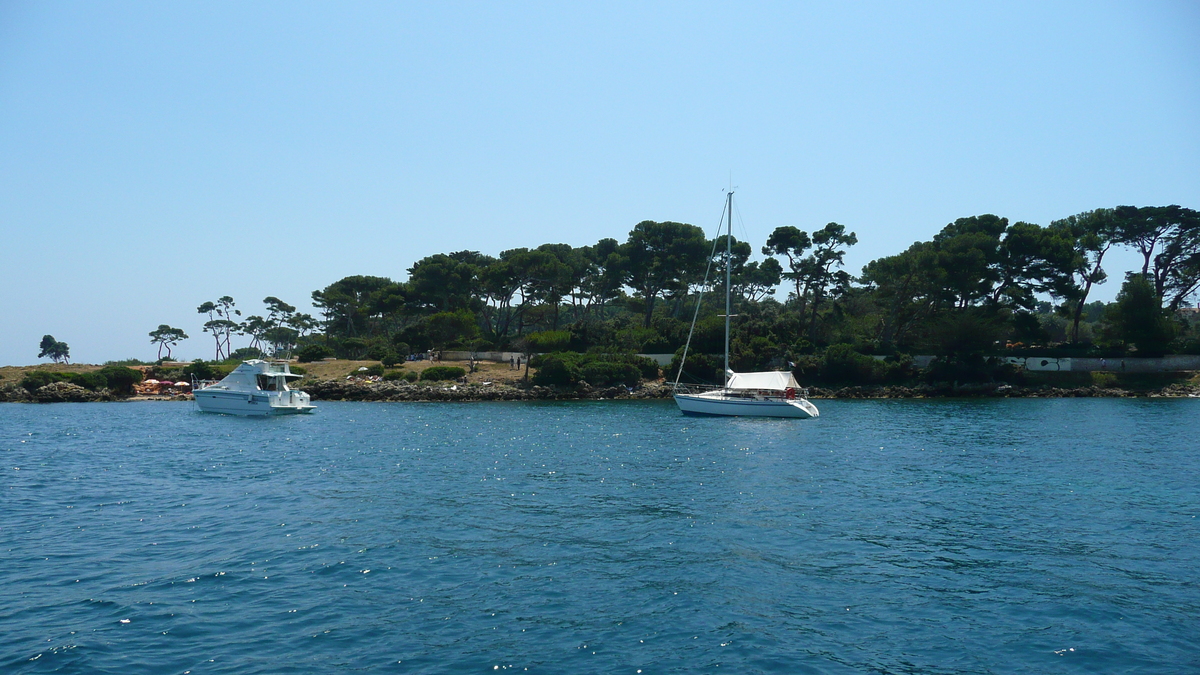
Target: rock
column 63, row 392
column 14, row 393
column 352, row 390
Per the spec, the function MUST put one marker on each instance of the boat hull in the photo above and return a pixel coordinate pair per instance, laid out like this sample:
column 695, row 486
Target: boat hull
column 250, row 405
column 708, row 404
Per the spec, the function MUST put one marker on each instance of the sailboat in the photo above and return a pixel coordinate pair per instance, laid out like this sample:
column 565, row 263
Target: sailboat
column 762, row 394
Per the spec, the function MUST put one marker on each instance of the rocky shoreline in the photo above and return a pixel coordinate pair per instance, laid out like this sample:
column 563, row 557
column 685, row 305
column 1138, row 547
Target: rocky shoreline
column 350, row 390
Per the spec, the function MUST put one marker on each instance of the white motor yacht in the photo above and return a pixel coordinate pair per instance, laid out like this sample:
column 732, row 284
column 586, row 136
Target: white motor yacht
column 254, row 388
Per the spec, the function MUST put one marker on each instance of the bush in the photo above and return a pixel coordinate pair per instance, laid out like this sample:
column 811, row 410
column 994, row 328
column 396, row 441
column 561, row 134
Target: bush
column 201, row 370
column 548, row 340
column 438, row 373
column 648, row 367
column 314, row 353
column 246, row 353
column 127, row 362
column 807, row 368
column 596, row 368
column 842, row 365
column 899, row 368
column 370, row 370
column 393, row 375
column 557, row 370
column 700, row 368
column 94, row 380
column 120, row 379
column 401, row 349
column 298, row 370
column 604, row 373
column 37, row 379
column 378, row 351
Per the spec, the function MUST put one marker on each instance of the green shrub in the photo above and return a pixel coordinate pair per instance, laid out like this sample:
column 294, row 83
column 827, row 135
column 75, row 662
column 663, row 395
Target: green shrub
column 223, row 369
column 411, row 376
column 700, row 368
column 393, row 375
column 648, row 367
column 390, row 359
column 314, row 353
column 163, row 374
column 604, row 373
column 378, row 351
column 94, row 380
column 1102, row 379
column 298, row 370
column 437, row 373
column 121, row 379
column 842, row 365
column 807, row 368
column 201, row 370
column 402, row 349
column 556, row 369
column 375, row 369
column 597, row 368
column 37, row 379
column 899, row 369
column 548, row 340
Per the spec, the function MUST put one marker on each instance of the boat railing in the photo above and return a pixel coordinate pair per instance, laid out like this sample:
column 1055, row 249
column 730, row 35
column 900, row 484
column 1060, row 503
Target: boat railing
column 682, row 388
column 697, row 389
column 201, row 384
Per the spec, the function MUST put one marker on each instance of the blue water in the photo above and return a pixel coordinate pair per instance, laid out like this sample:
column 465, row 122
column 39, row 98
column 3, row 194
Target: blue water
column 996, row 536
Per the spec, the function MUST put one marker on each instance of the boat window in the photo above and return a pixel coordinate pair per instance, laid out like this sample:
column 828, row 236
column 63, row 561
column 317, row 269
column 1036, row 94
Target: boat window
column 266, row 382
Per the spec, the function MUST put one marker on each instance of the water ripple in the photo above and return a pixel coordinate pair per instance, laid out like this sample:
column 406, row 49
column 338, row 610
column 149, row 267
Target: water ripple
column 883, row 537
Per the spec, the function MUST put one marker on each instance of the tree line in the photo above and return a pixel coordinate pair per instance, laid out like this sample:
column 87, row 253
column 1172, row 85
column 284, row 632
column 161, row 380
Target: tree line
column 980, row 285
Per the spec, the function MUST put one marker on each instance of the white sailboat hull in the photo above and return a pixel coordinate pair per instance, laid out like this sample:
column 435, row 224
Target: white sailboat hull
column 720, row 403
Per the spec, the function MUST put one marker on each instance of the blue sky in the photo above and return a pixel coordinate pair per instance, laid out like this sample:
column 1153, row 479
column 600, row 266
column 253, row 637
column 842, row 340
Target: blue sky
column 157, row 155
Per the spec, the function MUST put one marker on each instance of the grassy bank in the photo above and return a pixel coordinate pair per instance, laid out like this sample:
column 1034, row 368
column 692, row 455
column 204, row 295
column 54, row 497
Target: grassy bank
column 323, row 370
column 15, row 373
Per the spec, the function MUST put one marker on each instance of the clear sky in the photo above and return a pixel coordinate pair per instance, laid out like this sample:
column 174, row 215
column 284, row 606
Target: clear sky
column 157, row 155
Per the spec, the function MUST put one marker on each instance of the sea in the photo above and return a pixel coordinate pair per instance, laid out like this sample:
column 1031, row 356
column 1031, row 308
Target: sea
column 887, row 536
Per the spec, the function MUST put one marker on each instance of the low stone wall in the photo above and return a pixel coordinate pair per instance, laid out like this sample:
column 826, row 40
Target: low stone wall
column 498, row 357
column 1165, row 364
column 1065, row 364
column 504, row 357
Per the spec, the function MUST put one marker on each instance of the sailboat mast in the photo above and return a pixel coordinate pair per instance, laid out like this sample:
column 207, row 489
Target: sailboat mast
column 728, row 288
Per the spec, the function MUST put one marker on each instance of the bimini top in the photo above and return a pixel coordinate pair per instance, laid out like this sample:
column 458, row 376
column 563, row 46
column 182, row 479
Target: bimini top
column 773, row 379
